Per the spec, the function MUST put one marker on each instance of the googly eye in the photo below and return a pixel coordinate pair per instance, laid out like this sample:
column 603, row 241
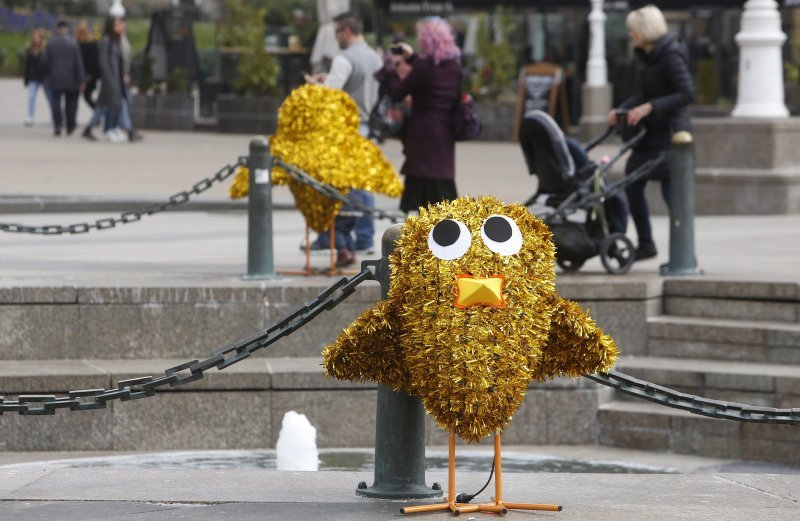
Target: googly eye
column 501, row 235
column 449, row 239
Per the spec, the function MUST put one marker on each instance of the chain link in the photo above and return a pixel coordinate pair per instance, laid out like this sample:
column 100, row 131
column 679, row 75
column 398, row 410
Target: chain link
column 332, row 193
column 695, row 404
column 127, row 217
column 144, row 387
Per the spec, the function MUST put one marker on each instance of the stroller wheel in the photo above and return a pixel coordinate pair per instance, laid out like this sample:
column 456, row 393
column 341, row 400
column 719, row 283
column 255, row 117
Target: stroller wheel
column 569, row 266
column 617, row 254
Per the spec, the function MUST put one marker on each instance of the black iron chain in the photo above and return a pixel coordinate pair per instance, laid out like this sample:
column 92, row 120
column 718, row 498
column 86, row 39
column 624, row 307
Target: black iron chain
column 128, row 217
column 332, row 193
column 696, row 404
column 143, row 387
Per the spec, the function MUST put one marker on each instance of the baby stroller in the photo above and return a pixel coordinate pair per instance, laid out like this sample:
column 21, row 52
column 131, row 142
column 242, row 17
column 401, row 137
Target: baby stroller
column 586, row 213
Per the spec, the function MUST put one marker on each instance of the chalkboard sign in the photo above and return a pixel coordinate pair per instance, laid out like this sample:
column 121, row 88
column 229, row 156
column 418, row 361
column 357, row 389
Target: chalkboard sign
column 541, row 87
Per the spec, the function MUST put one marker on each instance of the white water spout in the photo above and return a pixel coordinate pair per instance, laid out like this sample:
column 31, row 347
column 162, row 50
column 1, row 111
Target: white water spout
column 297, row 444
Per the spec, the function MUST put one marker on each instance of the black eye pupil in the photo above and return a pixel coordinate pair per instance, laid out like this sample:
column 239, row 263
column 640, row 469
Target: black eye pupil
column 497, row 229
column 446, row 232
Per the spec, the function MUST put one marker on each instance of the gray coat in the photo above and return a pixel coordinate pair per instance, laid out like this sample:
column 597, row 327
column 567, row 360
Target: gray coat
column 63, row 64
column 109, row 59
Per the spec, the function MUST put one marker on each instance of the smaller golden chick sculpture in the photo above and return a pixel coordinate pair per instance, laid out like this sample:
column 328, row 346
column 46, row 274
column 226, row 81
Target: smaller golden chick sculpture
column 318, row 132
column 471, row 318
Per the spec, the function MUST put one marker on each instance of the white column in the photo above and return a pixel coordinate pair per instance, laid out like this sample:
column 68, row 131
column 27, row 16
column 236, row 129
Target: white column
column 117, row 9
column 596, row 69
column 760, row 62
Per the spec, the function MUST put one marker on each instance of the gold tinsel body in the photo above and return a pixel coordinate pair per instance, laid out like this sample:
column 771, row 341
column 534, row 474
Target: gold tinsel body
column 318, row 133
column 471, row 367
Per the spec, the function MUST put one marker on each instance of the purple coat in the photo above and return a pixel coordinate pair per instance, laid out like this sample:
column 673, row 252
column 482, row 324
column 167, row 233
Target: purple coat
column 428, row 144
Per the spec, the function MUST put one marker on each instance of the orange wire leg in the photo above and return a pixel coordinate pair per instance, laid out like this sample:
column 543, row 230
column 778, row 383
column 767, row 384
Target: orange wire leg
column 450, row 504
column 501, row 506
column 308, row 271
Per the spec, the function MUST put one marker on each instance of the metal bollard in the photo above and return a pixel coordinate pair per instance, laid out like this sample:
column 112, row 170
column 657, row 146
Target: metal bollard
column 259, row 212
column 400, row 426
column 682, row 259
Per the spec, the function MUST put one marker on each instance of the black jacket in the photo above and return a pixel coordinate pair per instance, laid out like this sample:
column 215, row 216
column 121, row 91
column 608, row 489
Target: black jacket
column 34, row 67
column 89, row 55
column 663, row 79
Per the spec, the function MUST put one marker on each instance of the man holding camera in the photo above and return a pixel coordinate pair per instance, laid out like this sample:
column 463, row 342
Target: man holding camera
column 352, row 71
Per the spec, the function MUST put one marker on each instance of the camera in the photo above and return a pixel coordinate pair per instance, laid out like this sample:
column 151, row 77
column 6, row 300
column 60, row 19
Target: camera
column 396, row 49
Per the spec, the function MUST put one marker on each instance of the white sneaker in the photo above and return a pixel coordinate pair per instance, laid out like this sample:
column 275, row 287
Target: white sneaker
column 28, row 122
column 115, row 136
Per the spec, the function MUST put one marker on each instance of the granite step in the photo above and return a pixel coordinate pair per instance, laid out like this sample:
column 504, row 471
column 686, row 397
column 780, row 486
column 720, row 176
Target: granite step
column 648, row 426
column 724, row 339
column 738, row 300
column 768, row 385
column 241, row 407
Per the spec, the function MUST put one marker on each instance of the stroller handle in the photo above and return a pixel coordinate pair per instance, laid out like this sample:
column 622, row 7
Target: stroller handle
column 599, row 139
column 621, row 127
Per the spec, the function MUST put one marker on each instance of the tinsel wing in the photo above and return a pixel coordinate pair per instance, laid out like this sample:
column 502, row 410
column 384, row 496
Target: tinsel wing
column 575, row 345
column 369, row 350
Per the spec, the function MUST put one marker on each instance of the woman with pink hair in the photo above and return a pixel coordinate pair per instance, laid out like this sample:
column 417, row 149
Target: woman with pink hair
column 431, row 78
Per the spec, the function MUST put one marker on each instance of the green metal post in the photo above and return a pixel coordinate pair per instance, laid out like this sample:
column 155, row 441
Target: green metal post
column 259, row 211
column 400, row 426
column 682, row 259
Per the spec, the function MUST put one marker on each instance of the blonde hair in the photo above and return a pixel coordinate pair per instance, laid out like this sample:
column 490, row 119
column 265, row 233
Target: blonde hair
column 37, row 47
column 648, row 22
column 82, row 32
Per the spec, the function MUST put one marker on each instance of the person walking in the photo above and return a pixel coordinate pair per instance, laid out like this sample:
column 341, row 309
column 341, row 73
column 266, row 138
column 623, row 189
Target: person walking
column 88, row 47
column 112, row 83
column 663, row 90
column 352, row 71
column 34, row 72
column 431, row 77
column 64, row 76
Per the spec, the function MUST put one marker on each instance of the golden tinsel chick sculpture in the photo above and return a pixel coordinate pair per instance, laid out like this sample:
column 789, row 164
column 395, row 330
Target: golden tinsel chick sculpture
column 471, row 318
column 318, row 133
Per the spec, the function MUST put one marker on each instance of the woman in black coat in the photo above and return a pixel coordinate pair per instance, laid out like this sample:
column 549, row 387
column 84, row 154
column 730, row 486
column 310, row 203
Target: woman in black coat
column 662, row 92
column 431, row 77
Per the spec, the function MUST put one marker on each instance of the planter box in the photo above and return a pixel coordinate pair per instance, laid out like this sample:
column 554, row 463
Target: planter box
column 497, row 119
column 163, row 112
column 247, row 115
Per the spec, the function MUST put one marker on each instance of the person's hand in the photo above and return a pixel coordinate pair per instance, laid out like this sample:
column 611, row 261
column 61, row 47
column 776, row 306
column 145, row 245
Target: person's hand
column 612, row 117
column 406, row 50
column 636, row 114
column 316, row 79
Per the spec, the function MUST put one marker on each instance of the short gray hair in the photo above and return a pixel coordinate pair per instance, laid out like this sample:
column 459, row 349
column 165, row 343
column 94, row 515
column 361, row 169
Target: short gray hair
column 648, row 22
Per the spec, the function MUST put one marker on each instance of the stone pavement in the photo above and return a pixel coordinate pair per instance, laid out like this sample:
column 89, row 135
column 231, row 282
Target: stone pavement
column 155, row 495
column 209, row 248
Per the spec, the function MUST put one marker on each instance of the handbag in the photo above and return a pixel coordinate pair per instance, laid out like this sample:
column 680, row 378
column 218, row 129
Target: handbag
column 387, row 118
column 466, row 121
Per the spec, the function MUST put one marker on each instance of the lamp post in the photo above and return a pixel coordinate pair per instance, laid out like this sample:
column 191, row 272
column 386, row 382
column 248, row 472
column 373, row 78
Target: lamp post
column 596, row 68
column 760, row 62
column 116, row 10
column 596, row 93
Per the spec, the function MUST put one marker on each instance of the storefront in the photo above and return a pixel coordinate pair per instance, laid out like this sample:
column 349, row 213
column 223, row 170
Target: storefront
column 557, row 31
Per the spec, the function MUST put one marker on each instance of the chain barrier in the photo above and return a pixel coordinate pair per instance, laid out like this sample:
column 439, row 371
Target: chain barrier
column 144, row 387
column 332, row 193
column 695, row 404
column 128, row 217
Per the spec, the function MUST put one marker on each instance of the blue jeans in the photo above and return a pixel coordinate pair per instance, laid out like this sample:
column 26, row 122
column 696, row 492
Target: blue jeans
column 347, row 225
column 33, row 89
column 363, row 227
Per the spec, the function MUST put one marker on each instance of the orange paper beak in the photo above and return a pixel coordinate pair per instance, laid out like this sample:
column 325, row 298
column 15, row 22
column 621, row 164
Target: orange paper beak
column 479, row 292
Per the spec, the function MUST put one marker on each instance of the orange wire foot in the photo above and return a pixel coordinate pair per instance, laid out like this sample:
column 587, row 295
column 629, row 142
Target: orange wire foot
column 464, row 508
